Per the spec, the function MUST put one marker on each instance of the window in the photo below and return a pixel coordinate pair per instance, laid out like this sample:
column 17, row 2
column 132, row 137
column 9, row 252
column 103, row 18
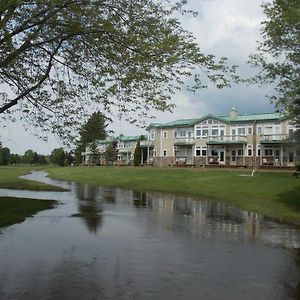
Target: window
column 165, row 134
column 200, row 151
column 214, row 152
column 204, row 133
column 249, row 152
column 241, row 131
column 165, row 152
column 259, row 131
column 268, row 151
column 240, row 152
column 152, row 135
column 175, row 134
column 249, row 130
column 198, row 132
column 209, row 121
column 214, row 131
column 182, row 133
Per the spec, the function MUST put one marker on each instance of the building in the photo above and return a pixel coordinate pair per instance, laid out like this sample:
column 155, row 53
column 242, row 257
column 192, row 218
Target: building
column 235, row 140
column 124, row 145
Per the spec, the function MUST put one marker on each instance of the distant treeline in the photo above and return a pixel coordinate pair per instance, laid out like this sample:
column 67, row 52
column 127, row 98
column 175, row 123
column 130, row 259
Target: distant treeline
column 58, row 156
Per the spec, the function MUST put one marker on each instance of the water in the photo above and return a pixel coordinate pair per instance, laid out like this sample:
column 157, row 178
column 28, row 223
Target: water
column 131, row 245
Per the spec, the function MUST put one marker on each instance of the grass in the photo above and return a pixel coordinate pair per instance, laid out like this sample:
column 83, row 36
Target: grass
column 15, row 210
column 274, row 194
column 9, row 179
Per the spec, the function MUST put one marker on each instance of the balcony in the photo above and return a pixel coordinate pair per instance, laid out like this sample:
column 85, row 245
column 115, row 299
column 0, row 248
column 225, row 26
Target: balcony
column 184, row 141
column 273, row 138
column 125, row 150
column 148, row 143
column 227, row 139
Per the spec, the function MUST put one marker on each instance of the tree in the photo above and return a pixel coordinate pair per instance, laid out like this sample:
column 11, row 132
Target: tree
column 57, row 156
column 42, row 160
column 93, row 129
column 138, row 151
column 4, row 156
column 95, row 153
column 15, row 159
column 111, row 153
column 278, row 54
column 28, row 157
column 60, row 58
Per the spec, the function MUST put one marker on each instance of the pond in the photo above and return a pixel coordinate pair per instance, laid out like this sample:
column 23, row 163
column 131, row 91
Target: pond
column 102, row 243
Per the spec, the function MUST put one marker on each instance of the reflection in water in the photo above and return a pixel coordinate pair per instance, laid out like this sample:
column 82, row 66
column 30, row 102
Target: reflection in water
column 147, row 246
column 90, row 206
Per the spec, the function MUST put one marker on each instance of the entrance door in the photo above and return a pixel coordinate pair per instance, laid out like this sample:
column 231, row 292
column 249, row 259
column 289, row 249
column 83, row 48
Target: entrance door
column 291, row 158
column 233, row 157
column 221, row 154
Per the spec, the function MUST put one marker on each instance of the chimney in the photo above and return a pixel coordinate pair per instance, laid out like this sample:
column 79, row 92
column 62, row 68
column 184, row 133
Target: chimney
column 233, row 113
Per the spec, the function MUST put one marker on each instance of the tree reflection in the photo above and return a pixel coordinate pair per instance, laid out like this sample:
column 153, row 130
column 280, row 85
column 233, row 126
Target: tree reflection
column 90, row 207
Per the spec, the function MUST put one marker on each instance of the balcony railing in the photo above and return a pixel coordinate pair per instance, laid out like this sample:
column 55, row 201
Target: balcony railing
column 147, row 143
column 227, row 139
column 274, row 137
column 184, row 141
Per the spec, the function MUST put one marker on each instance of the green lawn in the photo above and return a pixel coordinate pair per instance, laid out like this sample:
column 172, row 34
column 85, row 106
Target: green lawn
column 15, row 210
column 9, row 179
column 275, row 194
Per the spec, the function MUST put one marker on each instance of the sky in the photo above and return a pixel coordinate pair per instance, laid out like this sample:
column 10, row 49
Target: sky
column 227, row 28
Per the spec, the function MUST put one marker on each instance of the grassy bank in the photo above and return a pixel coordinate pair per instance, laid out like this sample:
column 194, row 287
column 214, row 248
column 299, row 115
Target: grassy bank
column 275, row 194
column 15, row 210
column 9, row 179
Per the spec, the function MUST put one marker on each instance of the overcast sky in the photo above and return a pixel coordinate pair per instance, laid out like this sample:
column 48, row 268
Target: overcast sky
column 227, row 28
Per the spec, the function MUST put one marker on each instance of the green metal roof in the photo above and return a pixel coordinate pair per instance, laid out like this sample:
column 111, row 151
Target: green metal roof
column 225, row 119
column 128, row 138
column 108, row 140
column 177, row 123
column 256, row 117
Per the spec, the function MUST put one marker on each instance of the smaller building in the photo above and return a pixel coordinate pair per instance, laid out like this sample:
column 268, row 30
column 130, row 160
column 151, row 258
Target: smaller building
column 95, row 153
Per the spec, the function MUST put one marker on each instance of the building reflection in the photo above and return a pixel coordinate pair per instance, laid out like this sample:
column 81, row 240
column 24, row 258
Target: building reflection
column 212, row 216
column 202, row 216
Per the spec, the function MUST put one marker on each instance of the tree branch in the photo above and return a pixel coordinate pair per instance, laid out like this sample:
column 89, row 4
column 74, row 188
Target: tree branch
column 29, row 90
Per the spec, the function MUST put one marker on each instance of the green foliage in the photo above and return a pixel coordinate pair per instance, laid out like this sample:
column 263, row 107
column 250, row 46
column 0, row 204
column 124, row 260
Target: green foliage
column 278, row 54
column 57, row 156
column 111, row 153
column 59, row 59
column 28, row 157
column 4, row 156
column 137, row 154
column 15, row 159
column 92, row 130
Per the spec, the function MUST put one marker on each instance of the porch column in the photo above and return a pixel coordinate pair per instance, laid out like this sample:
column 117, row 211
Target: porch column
column 142, row 156
column 281, row 155
column 207, row 150
column 148, row 153
column 244, row 153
